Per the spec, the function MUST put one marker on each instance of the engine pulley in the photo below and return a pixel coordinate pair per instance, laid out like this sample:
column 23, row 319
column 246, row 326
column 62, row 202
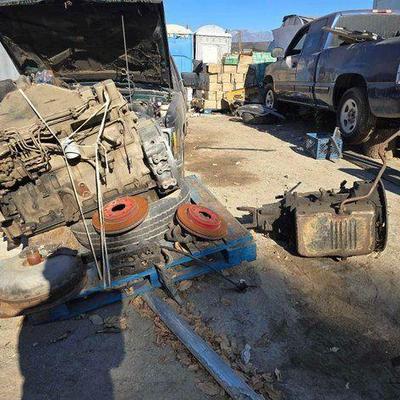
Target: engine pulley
column 122, row 215
column 201, row 222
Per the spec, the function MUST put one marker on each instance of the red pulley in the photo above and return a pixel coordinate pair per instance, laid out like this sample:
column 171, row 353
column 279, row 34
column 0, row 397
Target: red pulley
column 201, row 221
column 122, row 215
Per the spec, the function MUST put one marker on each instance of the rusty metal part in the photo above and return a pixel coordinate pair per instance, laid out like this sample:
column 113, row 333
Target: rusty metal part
column 175, row 234
column 83, row 190
column 33, row 257
column 382, row 155
column 201, row 222
column 313, row 224
column 54, row 280
column 37, row 193
column 122, row 215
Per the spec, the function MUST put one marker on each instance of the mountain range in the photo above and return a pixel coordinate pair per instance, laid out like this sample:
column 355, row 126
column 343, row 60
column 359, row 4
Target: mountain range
column 249, row 36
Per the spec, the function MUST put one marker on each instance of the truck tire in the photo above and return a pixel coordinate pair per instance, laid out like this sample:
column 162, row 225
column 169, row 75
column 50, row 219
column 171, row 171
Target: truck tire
column 152, row 230
column 354, row 117
column 270, row 97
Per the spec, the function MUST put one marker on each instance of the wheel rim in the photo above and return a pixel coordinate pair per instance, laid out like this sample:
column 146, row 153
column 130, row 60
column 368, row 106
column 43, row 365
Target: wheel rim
column 349, row 116
column 270, row 99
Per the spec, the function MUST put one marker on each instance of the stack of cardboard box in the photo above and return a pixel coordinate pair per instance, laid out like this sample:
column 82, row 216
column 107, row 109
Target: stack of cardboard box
column 218, row 79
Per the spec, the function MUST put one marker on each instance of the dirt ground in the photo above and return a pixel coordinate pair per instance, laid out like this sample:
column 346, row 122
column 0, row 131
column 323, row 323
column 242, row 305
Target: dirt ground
column 318, row 329
column 330, row 328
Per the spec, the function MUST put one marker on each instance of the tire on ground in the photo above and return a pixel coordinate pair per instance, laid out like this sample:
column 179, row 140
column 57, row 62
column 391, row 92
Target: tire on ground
column 153, row 229
column 365, row 122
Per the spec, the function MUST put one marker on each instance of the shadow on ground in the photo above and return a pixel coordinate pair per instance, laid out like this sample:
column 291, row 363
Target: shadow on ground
column 109, row 354
column 71, row 359
column 330, row 329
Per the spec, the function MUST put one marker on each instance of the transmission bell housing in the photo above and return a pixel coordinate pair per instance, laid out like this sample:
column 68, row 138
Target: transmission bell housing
column 317, row 225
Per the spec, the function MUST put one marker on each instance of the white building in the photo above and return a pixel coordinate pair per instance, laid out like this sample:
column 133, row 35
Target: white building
column 211, row 43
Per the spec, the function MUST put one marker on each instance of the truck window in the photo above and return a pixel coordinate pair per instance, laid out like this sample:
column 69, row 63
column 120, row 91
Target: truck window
column 385, row 25
column 314, row 40
column 297, row 45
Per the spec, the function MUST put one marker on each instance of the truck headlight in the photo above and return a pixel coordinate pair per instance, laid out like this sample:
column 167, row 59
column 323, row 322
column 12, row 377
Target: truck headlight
column 398, row 76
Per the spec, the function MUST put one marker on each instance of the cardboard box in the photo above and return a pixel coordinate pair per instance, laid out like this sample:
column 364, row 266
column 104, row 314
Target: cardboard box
column 210, row 95
column 214, row 68
column 213, row 95
column 209, row 82
column 224, row 78
column 227, row 87
column 245, row 60
column 206, row 79
column 213, row 78
column 242, row 69
column 211, row 105
column 230, row 69
column 238, row 78
column 214, row 87
column 220, row 104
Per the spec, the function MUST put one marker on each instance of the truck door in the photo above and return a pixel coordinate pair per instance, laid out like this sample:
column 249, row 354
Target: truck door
column 307, row 62
column 286, row 75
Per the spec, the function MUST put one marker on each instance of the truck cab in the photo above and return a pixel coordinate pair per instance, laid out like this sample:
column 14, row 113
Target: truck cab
column 320, row 66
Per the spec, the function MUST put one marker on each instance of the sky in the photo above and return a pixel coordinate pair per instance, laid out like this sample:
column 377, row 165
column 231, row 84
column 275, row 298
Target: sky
column 254, row 15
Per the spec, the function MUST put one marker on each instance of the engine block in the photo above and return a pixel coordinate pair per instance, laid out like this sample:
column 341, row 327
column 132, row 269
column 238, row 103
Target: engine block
column 36, row 192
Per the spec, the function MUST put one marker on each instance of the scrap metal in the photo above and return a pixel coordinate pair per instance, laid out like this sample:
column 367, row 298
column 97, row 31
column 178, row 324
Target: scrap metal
column 315, row 224
column 328, row 223
column 122, row 214
column 201, row 222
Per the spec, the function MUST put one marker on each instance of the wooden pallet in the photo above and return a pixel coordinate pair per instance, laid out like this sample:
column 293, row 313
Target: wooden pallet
column 236, row 248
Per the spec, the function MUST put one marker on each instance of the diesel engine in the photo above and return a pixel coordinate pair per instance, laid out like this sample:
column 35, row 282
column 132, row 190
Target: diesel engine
column 62, row 149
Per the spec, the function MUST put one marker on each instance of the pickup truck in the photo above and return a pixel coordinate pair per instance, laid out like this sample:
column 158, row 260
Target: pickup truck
column 347, row 62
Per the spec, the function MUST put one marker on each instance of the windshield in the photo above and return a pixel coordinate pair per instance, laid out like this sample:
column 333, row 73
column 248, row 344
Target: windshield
column 83, row 41
column 384, row 25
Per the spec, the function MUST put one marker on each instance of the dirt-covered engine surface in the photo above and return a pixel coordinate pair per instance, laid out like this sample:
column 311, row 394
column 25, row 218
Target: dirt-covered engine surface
column 59, row 147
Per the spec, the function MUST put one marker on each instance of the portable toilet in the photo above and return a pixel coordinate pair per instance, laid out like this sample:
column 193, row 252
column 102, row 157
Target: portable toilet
column 180, row 42
column 211, row 43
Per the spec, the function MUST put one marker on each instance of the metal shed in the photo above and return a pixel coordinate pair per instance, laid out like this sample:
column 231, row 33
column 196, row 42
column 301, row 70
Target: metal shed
column 180, row 41
column 211, row 43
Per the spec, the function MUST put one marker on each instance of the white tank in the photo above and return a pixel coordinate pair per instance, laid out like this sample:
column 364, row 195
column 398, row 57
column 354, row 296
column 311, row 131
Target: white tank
column 178, row 30
column 211, row 43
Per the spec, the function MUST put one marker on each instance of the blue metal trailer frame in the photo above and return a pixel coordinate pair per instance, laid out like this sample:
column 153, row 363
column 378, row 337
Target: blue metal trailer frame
column 237, row 247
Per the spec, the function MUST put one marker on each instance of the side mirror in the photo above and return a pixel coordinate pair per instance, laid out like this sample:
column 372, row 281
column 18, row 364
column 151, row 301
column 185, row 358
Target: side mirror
column 190, row 80
column 278, row 53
